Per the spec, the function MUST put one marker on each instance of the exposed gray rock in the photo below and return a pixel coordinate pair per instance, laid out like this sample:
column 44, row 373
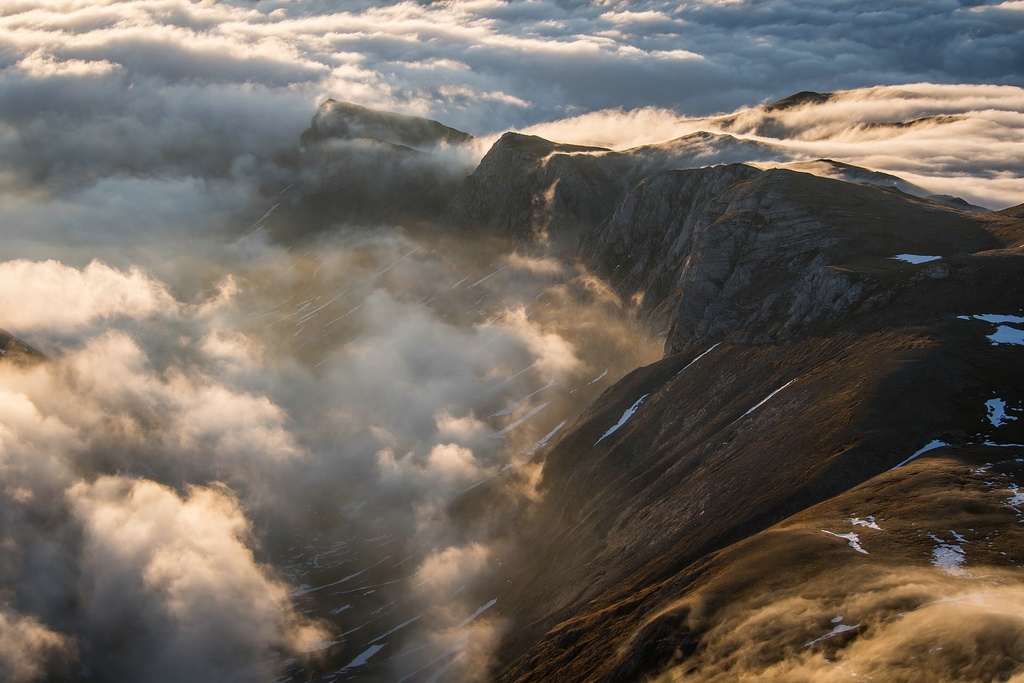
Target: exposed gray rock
column 731, row 251
column 527, row 187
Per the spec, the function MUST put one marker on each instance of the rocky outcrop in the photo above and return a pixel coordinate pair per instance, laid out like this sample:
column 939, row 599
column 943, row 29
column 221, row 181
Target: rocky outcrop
column 713, row 252
column 527, row 187
column 734, row 252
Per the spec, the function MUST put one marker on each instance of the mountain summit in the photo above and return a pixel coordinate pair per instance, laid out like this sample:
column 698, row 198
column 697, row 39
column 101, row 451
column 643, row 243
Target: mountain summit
column 367, row 167
column 336, row 120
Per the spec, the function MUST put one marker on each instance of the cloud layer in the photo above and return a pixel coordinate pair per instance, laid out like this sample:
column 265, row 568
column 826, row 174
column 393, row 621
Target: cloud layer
column 960, row 140
column 484, row 65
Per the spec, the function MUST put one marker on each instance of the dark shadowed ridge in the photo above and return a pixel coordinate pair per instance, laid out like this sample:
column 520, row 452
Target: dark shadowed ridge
column 800, row 99
column 365, row 167
column 529, row 188
column 803, row 360
column 1014, row 211
column 348, row 121
column 855, row 174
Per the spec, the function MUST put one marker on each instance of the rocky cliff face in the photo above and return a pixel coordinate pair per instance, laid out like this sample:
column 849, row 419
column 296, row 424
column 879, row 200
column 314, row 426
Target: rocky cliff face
column 713, row 251
column 760, row 255
column 530, row 188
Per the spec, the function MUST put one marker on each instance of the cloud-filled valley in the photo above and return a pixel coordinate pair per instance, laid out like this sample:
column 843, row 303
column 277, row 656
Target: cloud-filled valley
column 258, row 415
column 362, row 385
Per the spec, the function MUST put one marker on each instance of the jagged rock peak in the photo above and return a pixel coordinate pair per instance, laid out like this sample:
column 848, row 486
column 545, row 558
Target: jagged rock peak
column 348, row 121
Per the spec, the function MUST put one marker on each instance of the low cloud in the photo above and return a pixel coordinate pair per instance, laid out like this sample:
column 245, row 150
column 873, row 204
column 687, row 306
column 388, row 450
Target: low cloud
column 494, row 60
column 37, row 297
column 28, row 650
column 374, row 377
column 960, row 140
column 173, row 591
column 463, row 638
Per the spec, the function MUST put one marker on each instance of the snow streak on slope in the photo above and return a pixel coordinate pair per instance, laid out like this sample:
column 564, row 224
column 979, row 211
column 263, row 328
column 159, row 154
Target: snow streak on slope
column 622, row 420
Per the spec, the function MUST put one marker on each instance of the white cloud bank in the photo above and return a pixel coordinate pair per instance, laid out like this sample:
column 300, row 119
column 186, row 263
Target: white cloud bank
column 961, row 140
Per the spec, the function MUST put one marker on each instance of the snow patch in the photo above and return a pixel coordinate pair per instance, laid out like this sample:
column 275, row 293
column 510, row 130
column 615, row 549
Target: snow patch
column 547, row 437
column 949, row 557
column 1016, row 499
column 486, row 278
column 397, row 628
column 914, row 258
column 622, row 420
column 512, row 408
column 765, row 400
column 397, row 262
column 841, row 628
column 479, row 611
column 996, row 408
column 930, row 446
column 851, row 538
column 304, row 589
column 994, row 318
column 1005, row 334
column 524, row 418
column 363, row 658
column 453, row 649
column 710, row 349
column 869, row 522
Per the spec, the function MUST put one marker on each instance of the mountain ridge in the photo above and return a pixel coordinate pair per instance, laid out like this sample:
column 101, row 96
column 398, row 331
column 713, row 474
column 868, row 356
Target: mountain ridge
column 833, row 347
column 818, row 332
